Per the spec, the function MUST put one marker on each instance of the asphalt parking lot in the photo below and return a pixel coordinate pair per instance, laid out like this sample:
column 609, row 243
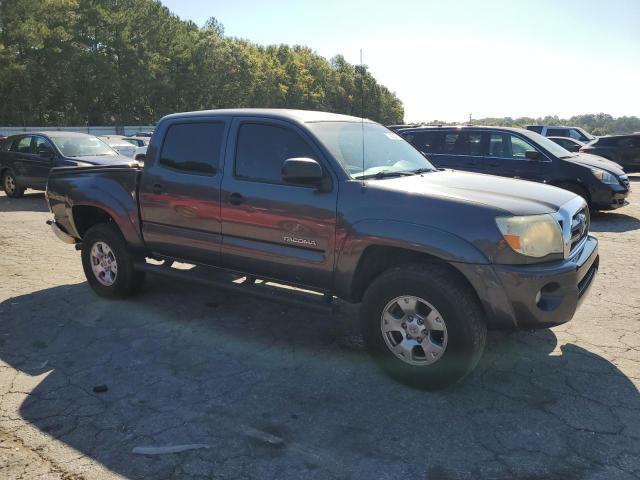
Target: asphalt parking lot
column 268, row 391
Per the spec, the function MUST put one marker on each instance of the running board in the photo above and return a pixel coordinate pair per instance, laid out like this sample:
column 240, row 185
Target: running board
column 317, row 302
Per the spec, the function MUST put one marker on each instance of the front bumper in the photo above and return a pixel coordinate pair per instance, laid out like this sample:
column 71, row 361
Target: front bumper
column 610, row 198
column 536, row 295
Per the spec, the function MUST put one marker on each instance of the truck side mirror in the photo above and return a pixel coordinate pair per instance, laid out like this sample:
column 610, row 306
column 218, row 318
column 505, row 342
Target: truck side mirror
column 302, row 170
column 532, row 155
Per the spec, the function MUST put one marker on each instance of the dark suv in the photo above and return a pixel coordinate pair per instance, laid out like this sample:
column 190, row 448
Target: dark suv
column 523, row 154
column 624, row 149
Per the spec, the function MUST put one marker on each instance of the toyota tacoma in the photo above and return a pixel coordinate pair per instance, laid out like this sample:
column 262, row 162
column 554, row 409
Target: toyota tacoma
column 339, row 207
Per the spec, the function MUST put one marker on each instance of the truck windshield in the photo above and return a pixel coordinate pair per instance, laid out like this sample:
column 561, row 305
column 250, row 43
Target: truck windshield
column 83, row 147
column 385, row 153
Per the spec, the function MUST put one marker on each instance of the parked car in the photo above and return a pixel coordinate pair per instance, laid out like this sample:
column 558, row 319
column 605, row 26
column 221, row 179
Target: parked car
column 435, row 257
column 26, row 159
column 560, row 131
column 137, row 141
column 120, row 144
column 523, row 154
column 568, row 143
column 623, row 149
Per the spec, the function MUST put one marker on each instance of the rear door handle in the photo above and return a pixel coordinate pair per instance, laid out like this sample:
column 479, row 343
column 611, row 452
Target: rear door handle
column 157, row 188
column 236, row 199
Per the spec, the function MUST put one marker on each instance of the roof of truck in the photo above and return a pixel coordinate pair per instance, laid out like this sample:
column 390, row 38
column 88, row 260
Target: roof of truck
column 303, row 116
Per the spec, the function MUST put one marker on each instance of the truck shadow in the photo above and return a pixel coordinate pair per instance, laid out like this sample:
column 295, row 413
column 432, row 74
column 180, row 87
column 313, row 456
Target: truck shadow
column 32, row 201
column 273, row 391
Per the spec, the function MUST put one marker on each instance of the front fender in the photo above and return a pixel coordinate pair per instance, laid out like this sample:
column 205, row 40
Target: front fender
column 408, row 236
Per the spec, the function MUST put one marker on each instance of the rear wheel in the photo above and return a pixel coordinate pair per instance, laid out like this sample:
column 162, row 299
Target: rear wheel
column 10, row 185
column 108, row 264
column 423, row 325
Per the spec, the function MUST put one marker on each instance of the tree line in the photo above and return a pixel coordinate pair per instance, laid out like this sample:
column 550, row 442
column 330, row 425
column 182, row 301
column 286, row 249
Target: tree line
column 129, row 62
column 595, row 123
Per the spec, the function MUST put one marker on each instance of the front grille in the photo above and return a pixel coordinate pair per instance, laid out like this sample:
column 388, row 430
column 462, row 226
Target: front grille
column 580, row 223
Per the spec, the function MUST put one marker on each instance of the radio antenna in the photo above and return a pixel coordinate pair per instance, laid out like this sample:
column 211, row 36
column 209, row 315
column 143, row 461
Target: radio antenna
column 362, row 111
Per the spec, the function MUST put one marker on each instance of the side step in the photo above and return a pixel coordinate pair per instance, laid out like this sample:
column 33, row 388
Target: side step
column 317, row 302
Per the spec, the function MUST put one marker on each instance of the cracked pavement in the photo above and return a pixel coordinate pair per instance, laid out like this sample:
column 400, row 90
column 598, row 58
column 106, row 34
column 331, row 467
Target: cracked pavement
column 279, row 392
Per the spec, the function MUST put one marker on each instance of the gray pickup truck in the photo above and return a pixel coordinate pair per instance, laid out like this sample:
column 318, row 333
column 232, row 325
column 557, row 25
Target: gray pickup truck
column 339, row 207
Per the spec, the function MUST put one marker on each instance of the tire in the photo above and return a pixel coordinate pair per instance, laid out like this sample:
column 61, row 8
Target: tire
column 10, row 185
column 103, row 243
column 462, row 339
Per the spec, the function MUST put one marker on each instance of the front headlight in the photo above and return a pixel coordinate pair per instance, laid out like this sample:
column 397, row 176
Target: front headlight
column 604, row 176
column 534, row 236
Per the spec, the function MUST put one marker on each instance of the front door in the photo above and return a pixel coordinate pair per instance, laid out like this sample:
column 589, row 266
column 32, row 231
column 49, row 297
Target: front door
column 271, row 228
column 180, row 191
column 506, row 157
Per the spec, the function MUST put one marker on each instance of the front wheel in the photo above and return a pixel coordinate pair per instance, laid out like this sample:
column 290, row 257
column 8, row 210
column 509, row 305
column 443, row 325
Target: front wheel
column 108, row 264
column 423, row 325
column 10, row 185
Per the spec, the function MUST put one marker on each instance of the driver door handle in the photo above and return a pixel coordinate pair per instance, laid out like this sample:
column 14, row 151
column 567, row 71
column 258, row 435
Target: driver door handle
column 236, row 199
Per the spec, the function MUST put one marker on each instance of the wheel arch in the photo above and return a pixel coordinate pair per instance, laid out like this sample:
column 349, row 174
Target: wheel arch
column 375, row 246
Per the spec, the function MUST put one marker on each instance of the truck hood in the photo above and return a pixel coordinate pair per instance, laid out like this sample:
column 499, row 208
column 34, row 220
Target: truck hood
column 596, row 161
column 93, row 160
column 517, row 197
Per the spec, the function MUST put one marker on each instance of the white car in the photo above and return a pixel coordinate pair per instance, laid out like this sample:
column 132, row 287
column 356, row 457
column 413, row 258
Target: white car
column 119, row 144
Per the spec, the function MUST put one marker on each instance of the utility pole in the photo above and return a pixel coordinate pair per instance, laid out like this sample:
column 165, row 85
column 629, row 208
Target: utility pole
column 469, row 118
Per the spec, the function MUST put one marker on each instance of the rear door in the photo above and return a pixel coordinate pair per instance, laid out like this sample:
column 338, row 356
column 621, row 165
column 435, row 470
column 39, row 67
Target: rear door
column 22, row 160
column 271, row 228
column 180, row 191
column 460, row 150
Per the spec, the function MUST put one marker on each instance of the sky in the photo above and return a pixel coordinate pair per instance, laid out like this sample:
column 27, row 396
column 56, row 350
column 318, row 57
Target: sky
column 448, row 59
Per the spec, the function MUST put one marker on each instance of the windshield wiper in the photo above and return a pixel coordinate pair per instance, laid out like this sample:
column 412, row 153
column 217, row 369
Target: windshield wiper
column 384, row 174
column 422, row 170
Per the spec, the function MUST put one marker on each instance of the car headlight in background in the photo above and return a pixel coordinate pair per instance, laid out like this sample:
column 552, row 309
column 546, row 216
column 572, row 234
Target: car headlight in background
column 604, row 176
column 533, row 235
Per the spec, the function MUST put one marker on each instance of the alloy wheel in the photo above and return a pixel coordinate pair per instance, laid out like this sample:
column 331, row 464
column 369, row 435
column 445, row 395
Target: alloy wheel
column 414, row 330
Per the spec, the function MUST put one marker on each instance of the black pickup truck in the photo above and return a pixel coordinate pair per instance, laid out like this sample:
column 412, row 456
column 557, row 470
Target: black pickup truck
column 343, row 208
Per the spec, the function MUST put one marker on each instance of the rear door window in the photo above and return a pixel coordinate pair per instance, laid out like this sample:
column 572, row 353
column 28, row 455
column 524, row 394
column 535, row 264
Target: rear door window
column 557, row 132
column 475, row 143
column 22, row 144
column 426, row 142
column 455, row 143
column 193, row 147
